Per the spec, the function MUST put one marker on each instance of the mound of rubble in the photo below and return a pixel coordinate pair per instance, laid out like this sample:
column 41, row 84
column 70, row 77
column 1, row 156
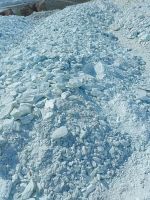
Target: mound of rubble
column 58, row 90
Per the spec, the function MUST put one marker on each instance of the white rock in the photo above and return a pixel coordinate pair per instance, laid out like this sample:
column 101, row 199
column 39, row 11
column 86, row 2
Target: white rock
column 15, row 178
column 27, row 99
column 96, row 92
column 5, row 111
column 140, row 93
column 82, row 133
column 94, row 172
column 90, row 189
column 28, row 190
column 84, row 150
column 5, row 188
column 30, row 96
column 145, row 37
column 116, row 27
column 47, row 115
column 64, row 95
column 50, row 104
column 23, row 109
column 31, row 199
column 48, row 108
column 59, row 133
column 99, row 69
column 27, row 119
column 60, row 81
column 16, row 126
column 75, row 83
column 56, row 90
column 7, row 99
column 8, row 124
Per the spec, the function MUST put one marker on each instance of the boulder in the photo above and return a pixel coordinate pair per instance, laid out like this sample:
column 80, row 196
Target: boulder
column 59, row 133
column 7, row 12
column 44, row 5
column 27, row 10
column 41, row 5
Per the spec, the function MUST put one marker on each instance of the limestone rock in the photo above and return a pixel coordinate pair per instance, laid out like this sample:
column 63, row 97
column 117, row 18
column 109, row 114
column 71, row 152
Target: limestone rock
column 24, row 109
column 99, row 69
column 5, row 111
column 30, row 188
column 145, row 37
column 59, row 133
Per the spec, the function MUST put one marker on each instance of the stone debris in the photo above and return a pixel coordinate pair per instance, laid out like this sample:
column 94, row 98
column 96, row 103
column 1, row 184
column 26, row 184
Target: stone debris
column 70, row 111
column 49, row 104
column 6, row 110
column 29, row 190
column 59, row 133
column 5, row 188
column 90, row 189
column 99, row 69
column 134, row 25
column 22, row 110
column 144, row 37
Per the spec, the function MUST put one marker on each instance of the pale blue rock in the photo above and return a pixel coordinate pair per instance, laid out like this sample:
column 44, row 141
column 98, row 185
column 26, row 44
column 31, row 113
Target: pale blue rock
column 59, row 133
column 23, row 109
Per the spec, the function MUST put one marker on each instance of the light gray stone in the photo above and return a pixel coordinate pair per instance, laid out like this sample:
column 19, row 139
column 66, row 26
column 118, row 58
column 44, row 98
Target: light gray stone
column 59, row 133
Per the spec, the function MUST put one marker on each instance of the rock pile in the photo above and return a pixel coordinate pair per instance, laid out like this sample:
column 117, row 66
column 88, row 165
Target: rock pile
column 64, row 93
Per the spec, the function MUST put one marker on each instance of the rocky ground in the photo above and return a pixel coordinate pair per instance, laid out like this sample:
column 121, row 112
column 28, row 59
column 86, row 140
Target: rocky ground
column 74, row 103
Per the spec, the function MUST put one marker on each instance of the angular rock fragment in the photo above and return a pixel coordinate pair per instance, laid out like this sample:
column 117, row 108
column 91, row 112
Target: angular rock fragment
column 30, row 188
column 7, row 124
column 5, row 188
column 75, row 83
column 59, row 133
column 26, row 119
column 90, row 189
column 144, row 37
column 5, row 111
column 49, row 104
column 24, row 109
column 99, row 69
